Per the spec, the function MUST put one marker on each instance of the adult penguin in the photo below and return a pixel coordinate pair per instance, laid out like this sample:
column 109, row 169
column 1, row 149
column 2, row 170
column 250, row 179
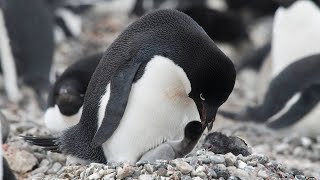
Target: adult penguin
column 30, row 30
column 161, row 73
column 66, row 96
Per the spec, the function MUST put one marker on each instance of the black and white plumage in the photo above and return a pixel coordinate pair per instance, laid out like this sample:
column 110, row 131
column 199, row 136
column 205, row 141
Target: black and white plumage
column 161, row 73
column 66, row 96
column 291, row 98
column 30, row 30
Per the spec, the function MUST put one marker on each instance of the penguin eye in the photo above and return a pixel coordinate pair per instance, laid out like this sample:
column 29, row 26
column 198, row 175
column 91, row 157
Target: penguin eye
column 201, row 97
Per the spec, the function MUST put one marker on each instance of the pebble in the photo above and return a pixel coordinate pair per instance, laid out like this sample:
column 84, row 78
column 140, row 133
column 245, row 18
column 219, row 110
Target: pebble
column 94, row 176
column 161, row 172
column 145, row 177
column 22, row 161
column 55, row 168
column 212, row 173
column 217, row 159
column 182, row 166
column 124, row 172
column 230, row 159
column 149, row 168
column 240, row 164
column 109, row 176
column 306, row 142
column 263, row 174
column 197, row 178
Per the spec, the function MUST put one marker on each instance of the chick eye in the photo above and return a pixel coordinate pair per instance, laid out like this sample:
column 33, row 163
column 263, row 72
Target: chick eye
column 201, row 97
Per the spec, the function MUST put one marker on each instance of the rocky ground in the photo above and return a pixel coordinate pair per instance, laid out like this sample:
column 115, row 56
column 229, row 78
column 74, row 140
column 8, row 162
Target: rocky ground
column 276, row 155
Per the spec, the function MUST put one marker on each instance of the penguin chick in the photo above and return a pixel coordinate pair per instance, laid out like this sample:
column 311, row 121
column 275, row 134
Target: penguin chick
column 173, row 150
column 222, row 144
column 67, row 94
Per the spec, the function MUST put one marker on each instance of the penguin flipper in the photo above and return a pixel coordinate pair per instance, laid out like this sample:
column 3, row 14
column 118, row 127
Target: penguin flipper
column 47, row 143
column 308, row 100
column 120, row 88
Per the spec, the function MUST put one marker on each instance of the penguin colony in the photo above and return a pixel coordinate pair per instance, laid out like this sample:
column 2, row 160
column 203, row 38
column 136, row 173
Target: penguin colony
column 165, row 77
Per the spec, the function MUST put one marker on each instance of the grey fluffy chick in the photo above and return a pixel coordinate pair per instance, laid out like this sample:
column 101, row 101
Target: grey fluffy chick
column 222, row 144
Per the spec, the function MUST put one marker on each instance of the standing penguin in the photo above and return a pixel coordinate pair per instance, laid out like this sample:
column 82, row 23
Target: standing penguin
column 293, row 94
column 30, row 30
column 67, row 94
column 161, row 73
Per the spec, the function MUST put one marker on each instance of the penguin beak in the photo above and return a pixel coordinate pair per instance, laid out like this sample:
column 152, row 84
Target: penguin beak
column 208, row 115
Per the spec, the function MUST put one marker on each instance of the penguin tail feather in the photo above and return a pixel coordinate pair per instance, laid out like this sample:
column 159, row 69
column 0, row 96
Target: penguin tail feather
column 46, row 143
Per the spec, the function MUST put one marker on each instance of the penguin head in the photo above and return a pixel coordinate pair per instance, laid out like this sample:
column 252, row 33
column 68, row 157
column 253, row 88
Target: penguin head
column 211, row 84
column 69, row 97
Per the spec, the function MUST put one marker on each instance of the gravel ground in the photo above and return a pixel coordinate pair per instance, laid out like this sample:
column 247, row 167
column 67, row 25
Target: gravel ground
column 276, row 155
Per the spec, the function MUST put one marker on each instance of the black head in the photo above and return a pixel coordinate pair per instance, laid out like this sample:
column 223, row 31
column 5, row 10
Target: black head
column 210, row 72
column 69, row 97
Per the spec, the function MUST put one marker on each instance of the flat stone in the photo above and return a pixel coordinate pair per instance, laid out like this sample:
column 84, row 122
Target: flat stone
column 217, row 159
column 263, row 174
column 21, row 161
column 124, row 172
column 94, row 176
column 240, row 164
column 183, row 167
column 55, row 168
column 145, row 177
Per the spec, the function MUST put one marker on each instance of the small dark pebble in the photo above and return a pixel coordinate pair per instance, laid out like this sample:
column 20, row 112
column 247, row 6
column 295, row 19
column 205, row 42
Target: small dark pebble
column 234, row 178
column 161, row 171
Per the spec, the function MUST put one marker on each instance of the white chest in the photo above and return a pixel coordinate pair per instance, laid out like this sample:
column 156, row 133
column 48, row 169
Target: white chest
column 295, row 34
column 158, row 109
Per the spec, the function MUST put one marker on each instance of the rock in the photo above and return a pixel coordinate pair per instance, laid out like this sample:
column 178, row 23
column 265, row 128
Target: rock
column 306, row 142
column 109, row 176
column 234, row 178
column 217, row 159
column 263, row 159
column 161, row 172
column 184, row 177
column 124, row 172
column 39, row 176
column 197, row 178
column 230, row 159
column 55, row 168
column 148, row 168
column 239, row 173
column 145, row 177
column 221, row 171
column 89, row 171
column 44, row 163
column 21, row 161
column 240, row 164
column 212, row 173
column 205, row 160
column 42, row 169
column 182, row 166
column 94, row 176
column 300, row 177
column 263, row 174
column 66, row 176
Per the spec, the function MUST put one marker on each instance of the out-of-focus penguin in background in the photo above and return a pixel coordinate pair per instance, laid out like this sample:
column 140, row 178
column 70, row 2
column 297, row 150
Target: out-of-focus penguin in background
column 29, row 25
column 292, row 96
column 66, row 96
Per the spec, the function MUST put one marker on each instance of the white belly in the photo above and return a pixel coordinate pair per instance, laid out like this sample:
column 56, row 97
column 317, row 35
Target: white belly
column 295, row 34
column 158, row 109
